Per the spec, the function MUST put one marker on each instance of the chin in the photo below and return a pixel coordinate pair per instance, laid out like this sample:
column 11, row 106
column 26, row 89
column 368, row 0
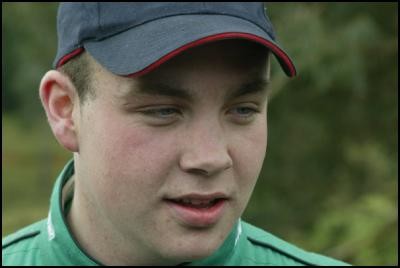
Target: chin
column 200, row 252
column 193, row 248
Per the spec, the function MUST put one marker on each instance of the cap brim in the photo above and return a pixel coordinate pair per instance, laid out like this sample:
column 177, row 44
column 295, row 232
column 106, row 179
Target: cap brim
column 141, row 49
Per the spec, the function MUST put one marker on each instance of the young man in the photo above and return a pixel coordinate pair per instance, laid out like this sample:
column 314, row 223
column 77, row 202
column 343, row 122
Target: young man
column 164, row 107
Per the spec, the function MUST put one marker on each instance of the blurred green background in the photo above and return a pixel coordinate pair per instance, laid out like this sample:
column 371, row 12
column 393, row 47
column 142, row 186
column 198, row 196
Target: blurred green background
column 329, row 182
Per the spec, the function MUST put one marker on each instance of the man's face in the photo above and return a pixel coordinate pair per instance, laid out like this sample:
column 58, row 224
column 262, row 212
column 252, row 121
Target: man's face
column 167, row 162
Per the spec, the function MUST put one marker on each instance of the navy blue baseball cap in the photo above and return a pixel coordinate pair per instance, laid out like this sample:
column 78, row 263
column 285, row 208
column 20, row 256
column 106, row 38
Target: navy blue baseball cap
column 132, row 39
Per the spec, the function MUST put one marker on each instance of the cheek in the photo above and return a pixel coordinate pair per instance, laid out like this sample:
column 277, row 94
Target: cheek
column 249, row 158
column 252, row 147
column 129, row 160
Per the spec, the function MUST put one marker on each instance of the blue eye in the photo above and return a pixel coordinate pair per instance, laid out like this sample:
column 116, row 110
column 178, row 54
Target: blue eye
column 243, row 115
column 244, row 111
column 162, row 112
column 161, row 116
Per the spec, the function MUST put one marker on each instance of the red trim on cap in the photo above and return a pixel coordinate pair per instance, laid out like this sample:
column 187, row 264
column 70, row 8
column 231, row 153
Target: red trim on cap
column 276, row 50
column 69, row 56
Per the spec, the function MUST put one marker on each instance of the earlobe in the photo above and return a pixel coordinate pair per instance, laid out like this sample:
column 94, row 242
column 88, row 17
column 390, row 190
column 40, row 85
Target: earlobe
column 57, row 94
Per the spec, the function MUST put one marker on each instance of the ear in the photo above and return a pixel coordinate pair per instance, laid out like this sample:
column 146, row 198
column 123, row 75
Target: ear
column 58, row 96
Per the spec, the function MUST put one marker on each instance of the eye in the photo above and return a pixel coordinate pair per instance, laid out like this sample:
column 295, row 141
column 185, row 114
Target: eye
column 166, row 112
column 161, row 115
column 244, row 111
column 243, row 114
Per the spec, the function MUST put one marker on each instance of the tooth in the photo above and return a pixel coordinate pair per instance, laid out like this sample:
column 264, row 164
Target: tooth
column 196, row 202
column 202, row 202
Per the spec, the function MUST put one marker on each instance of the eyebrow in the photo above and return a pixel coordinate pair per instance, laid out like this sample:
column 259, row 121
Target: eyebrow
column 161, row 89
column 249, row 88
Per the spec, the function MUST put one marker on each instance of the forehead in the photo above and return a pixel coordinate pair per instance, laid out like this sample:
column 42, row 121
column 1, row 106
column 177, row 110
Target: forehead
column 228, row 61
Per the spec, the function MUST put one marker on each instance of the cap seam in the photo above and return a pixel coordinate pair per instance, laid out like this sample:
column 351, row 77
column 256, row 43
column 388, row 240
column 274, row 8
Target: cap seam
column 98, row 18
column 273, row 35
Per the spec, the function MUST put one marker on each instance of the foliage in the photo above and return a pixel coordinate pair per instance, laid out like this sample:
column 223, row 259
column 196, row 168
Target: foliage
column 29, row 44
column 329, row 181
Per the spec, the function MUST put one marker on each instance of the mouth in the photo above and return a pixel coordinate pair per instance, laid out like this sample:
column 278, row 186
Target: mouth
column 196, row 210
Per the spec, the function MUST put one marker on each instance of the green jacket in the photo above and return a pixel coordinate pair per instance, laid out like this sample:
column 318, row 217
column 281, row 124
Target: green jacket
column 49, row 242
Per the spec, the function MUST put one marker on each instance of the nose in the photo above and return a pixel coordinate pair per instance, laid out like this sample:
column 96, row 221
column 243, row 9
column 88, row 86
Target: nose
column 206, row 152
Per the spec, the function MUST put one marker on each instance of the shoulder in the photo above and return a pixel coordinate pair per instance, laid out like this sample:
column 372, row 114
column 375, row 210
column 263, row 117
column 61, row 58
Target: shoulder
column 269, row 249
column 22, row 247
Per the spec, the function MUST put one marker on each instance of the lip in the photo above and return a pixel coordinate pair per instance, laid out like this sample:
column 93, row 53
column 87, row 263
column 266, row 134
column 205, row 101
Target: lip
column 198, row 217
column 204, row 197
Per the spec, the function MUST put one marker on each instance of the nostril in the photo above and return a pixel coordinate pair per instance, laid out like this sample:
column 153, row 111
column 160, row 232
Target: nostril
column 204, row 163
column 198, row 171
